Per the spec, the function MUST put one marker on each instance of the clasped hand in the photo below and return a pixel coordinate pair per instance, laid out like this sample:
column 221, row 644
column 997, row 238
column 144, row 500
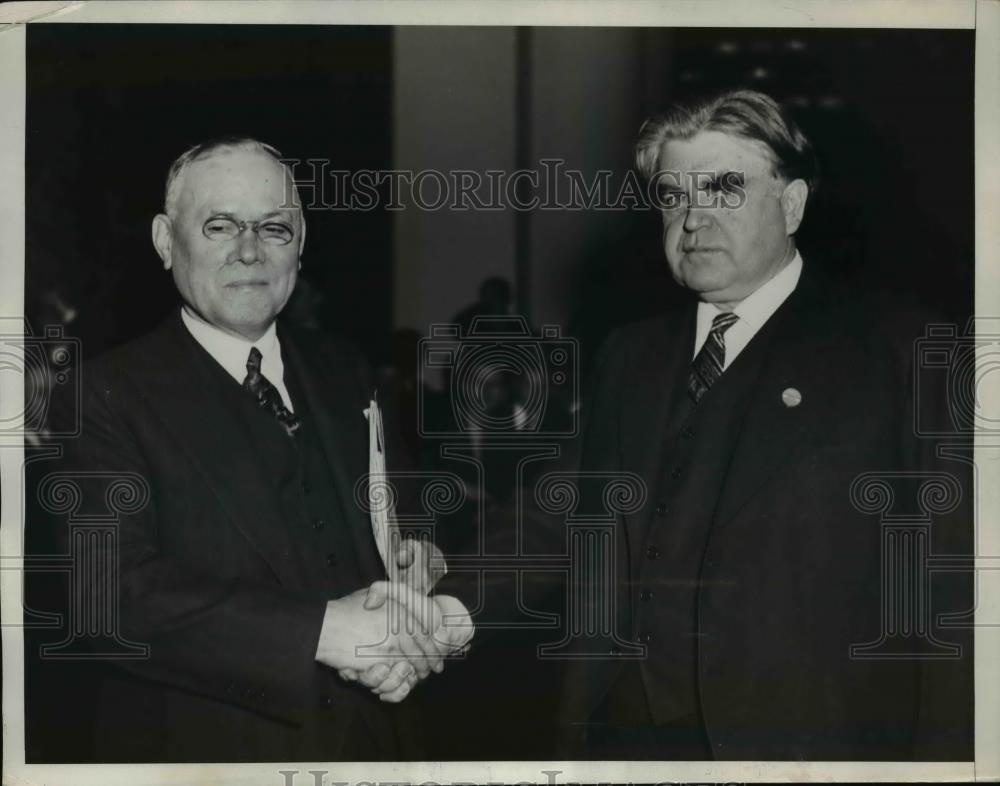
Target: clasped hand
column 392, row 635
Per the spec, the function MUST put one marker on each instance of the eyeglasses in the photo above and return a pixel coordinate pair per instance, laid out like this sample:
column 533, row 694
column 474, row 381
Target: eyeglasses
column 273, row 233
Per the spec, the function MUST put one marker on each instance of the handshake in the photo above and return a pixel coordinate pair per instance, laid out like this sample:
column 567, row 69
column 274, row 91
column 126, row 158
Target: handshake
column 394, row 634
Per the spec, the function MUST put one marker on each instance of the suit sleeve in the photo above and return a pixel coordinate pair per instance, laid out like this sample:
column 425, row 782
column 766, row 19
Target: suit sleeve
column 222, row 638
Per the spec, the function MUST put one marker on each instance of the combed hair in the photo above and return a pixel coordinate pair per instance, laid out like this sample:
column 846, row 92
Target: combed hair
column 204, row 150
column 744, row 113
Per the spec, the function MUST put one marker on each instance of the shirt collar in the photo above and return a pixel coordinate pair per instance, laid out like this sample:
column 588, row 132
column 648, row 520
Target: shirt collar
column 230, row 351
column 757, row 307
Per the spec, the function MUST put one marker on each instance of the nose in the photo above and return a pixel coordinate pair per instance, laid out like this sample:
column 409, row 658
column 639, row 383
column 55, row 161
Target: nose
column 247, row 248
column 696, row 218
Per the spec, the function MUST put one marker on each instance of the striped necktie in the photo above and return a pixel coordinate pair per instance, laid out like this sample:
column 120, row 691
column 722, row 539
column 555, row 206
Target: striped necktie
column 267, row 395
column 708, row 364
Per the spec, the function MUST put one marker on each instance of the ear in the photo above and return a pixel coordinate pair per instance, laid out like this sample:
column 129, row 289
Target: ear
column 793, row 204
column 302, row 235
column 162, row 239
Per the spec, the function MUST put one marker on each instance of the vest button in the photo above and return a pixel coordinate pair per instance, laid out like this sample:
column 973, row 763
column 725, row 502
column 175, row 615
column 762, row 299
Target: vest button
column 331, row 560
column 675, row 473
column 688, row 432
column 645, row 595
column 326, row 702
column 652, row 552
column 661, row 509
column 318, row 523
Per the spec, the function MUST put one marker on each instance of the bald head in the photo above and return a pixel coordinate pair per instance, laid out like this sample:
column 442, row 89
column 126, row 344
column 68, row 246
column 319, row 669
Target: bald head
column 204, row 150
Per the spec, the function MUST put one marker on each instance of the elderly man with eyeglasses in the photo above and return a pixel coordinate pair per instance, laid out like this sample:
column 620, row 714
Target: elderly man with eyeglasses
column 248, row 573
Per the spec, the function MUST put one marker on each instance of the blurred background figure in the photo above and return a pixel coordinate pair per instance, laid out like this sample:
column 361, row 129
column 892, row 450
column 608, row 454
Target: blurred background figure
column 494, row 300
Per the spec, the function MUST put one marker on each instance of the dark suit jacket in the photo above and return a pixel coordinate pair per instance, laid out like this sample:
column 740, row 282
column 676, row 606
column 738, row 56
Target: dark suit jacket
column 207, row 578
column 791, row 575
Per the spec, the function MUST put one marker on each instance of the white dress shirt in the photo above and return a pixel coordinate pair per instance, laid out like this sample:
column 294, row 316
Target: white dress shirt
column 231, row 352
column 753, row 311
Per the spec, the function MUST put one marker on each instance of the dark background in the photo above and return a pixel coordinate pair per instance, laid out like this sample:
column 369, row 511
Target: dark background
column 890, row 113
column 110, row 106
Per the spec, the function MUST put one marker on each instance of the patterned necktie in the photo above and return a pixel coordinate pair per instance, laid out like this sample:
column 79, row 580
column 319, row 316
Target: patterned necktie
column 707, row 365
column 267, row 395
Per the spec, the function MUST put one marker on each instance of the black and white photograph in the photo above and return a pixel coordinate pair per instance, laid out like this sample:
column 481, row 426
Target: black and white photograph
column 548, row 392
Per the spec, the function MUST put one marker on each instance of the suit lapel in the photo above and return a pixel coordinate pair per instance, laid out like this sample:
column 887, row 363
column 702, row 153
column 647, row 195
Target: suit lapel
column 791, row 400
column 187, row 388
column 333, row 396
column 653, row 408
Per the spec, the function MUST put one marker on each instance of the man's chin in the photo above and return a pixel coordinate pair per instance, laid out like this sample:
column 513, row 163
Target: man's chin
column 249, row 325
column 246, row 305
column 709, row 283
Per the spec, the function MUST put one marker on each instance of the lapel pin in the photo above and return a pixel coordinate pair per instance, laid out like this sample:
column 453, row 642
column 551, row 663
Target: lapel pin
column 791, row 397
